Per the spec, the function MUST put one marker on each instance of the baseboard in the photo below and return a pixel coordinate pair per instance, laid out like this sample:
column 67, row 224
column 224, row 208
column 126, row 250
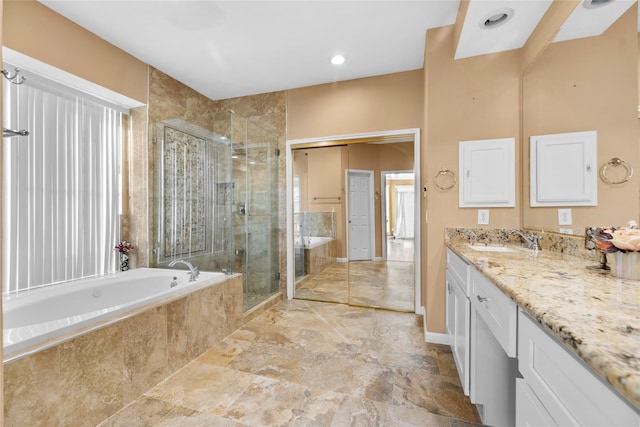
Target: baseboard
column 433, row 337
column 341, row 260
column 378, row 258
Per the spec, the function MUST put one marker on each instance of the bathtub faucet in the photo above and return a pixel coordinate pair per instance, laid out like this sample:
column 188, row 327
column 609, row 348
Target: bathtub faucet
column 193, row 269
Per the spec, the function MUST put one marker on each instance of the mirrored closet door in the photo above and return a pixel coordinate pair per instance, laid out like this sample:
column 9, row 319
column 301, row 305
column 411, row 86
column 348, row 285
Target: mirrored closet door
column 354, row 216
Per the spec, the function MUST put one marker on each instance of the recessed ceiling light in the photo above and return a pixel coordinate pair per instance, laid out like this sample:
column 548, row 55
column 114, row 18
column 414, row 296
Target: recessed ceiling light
column 338, row 60
column 592, row 4
column 496, row 18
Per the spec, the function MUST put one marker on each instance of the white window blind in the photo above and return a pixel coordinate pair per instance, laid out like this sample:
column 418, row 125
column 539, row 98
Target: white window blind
column 61, row 185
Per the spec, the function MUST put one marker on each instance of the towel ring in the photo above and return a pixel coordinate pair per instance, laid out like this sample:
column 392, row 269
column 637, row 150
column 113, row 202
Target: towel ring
column 614, row 162
column 445, row 172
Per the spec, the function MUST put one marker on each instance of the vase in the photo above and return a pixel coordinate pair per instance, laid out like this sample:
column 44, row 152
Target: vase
column 625, row 265
column 124, row 261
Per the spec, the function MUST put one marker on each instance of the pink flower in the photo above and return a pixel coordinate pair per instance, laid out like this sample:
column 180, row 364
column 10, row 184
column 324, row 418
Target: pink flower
column 124, row 247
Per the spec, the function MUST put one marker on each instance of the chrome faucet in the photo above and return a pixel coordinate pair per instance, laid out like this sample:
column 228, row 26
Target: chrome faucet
column 193, row 270
column 531, row 241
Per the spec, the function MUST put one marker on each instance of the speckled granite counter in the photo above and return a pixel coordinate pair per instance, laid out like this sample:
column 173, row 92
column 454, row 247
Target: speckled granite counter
column 595, row 314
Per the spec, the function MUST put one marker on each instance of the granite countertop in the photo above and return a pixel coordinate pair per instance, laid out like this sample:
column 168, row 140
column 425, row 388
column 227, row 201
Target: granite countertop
column 596, row 315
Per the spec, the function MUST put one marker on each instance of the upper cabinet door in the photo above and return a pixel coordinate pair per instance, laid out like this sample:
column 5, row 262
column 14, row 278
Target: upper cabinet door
column 564, row 169
column 488, row 173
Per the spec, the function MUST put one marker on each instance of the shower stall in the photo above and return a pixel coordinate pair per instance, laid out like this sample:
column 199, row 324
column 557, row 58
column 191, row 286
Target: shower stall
column 216, row 200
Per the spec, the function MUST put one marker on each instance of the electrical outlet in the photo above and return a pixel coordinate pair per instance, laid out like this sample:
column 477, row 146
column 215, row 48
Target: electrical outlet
column 483, row 216
column 564, row 217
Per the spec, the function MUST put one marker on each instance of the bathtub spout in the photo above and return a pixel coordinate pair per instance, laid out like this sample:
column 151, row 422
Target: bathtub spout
column 192, row 269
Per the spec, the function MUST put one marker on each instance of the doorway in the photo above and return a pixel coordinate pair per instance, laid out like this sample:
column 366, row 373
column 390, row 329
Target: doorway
column 398, row 216
column 339, row 184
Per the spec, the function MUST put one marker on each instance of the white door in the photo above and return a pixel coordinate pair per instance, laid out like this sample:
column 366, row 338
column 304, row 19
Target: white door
column 360, row 215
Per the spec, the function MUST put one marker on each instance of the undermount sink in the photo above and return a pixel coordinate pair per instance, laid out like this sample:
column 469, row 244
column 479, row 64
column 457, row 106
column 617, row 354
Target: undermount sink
column 485, row 248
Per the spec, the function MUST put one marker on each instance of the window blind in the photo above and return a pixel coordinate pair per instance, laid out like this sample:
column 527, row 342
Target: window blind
column 61, row 186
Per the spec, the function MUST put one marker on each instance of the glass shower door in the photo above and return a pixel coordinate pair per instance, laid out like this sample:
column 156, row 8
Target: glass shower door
column 255, row 217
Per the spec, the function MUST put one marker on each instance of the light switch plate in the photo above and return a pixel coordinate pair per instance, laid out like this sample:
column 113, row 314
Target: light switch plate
column 564, row 217
column 483, row 216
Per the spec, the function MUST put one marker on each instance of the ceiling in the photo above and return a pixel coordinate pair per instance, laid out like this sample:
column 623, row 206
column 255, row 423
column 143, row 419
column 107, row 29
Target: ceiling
column 226, row 49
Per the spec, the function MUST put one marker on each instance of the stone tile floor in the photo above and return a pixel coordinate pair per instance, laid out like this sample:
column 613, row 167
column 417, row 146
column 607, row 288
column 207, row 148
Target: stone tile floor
column 305, row 363
column 386, row 284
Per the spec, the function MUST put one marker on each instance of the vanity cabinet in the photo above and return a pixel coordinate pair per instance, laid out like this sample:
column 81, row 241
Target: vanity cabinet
column 513, row 369
column 558, row 389
column 459, row 315
column 493, row 350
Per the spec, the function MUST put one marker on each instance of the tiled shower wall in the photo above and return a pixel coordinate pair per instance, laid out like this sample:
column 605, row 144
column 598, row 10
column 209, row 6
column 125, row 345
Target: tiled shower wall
column 318, row 224
column 170, row 99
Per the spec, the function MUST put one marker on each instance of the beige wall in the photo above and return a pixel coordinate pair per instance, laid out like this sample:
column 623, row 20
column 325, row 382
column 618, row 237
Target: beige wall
column 588, row 84
column 388, row 102
column 467, row 99
column 37, row 31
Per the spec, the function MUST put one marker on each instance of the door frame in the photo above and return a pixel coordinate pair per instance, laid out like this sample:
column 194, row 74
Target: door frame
column 383, row 205
column 371, row 213
column 345, row 139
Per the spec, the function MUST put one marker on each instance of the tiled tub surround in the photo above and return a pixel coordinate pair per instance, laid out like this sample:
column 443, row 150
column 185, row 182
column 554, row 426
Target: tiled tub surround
column 320, row 254
column 594, row 314
column 84, row 380
column 44, row 317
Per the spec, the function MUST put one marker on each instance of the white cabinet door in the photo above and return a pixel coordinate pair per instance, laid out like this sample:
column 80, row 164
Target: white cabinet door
column 529, row 410
column 458, row 315
column 569, row 392
column 564, row 169
column 451, row 311
column 487, row 173
column 461, row 343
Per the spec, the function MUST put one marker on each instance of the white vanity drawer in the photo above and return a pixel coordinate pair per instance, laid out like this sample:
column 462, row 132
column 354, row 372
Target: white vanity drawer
column 499, row 312
column 570, row 393
column 459, row 269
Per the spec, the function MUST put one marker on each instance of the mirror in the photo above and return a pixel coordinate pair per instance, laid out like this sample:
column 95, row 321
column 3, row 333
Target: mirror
column 354, row 224
column 583, row 85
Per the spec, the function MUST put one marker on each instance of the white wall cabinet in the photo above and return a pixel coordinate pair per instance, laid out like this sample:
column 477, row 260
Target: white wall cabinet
column 564, row 169
column 487, row 173
column 459, row 315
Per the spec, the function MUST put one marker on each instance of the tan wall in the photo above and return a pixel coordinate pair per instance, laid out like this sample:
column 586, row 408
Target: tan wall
column 388, row 102
column 37, row 31
column 321, row 173
column 467, row 99
column 588, row 84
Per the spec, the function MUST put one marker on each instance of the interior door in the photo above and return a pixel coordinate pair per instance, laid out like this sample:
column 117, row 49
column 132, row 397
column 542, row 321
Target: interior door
column 360, row 215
